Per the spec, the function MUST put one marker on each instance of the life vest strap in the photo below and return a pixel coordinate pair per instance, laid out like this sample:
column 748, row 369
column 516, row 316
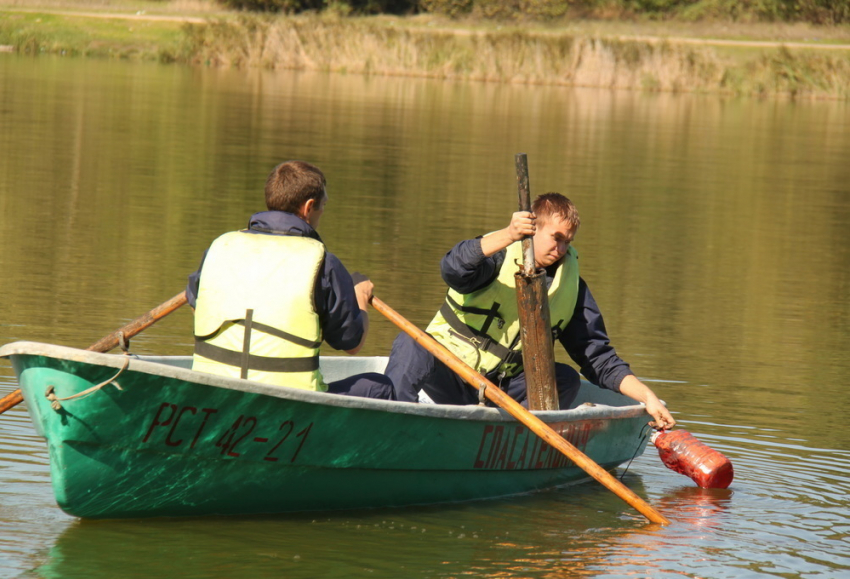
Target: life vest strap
column 267, row 330
column 492, row 313
column 259, row 363
column 246, row 344
column 558, row 331
column 481, row 340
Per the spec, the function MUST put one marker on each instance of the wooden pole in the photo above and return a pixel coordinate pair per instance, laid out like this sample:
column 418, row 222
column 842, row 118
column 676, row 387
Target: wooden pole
column 538, row 355
column 524, row 193
column 112, row 340
column 536, row 425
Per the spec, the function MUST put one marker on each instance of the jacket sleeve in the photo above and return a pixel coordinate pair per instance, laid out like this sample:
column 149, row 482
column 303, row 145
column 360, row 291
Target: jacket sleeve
column 586, row 341
column 194, row 283
column 466, row 269
column 336, row 304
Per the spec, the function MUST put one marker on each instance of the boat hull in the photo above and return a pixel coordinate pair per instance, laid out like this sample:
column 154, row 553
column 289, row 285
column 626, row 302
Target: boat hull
column 172, row 442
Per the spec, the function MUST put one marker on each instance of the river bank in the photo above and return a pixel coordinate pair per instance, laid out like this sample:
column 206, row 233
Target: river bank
column 800, row 61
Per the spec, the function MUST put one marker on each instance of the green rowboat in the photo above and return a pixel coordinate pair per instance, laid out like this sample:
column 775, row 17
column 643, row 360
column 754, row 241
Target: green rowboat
column 145, row 436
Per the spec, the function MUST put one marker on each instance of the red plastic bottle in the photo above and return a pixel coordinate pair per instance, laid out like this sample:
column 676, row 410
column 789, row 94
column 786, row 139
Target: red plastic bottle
column 681, row 451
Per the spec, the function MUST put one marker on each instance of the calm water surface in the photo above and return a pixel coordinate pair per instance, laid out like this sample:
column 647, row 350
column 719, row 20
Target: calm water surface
column 715, row 237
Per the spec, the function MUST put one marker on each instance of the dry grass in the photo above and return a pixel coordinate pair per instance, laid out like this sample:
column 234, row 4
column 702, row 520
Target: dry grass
column 366, row 47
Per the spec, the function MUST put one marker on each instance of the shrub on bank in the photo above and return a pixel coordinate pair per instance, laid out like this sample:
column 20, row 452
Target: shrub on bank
column 273, row 5
column 814, row 11
column 341, row 6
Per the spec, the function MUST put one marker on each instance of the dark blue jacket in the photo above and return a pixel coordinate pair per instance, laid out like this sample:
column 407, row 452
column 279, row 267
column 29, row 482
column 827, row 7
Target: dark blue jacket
column 466, row 269
column 336, row 304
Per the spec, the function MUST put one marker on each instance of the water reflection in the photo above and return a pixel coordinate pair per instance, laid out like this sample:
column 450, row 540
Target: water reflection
column 578, row 532
column 489, row 540
column 485, row 540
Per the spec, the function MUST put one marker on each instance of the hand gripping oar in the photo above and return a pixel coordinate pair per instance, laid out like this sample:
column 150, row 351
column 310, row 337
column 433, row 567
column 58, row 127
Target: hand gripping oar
column 536, row 425
column 112, row 340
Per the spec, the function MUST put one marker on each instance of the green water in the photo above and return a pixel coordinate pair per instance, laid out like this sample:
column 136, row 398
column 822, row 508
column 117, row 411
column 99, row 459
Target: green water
column 714, row 237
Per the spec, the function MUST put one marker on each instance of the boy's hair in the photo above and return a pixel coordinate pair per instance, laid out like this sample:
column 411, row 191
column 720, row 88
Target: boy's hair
column 293, row 183
column 550, row 204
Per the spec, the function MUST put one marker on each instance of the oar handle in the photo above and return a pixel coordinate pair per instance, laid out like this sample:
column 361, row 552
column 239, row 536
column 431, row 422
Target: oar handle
column 112, row 340
column 11, row 400
column 141, row 323
column 536, row 425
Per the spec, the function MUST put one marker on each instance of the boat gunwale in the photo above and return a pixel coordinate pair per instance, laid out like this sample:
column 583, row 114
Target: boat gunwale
column 469, row 412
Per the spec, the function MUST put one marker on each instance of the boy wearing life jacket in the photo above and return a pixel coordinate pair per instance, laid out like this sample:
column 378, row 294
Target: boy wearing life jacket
column 267, row 296
column 479, row 321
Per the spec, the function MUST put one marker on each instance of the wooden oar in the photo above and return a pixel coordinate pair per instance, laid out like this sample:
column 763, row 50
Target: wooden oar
column 536, row 425
column 112, row 340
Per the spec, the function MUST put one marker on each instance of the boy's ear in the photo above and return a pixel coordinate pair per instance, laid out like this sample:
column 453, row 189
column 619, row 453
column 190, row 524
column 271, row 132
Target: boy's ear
column 305, row 209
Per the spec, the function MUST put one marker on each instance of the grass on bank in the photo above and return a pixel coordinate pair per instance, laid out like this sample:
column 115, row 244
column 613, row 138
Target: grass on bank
column 45, row 33
column 181, row 7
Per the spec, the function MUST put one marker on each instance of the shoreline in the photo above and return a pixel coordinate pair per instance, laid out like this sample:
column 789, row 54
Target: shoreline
column 578, row 54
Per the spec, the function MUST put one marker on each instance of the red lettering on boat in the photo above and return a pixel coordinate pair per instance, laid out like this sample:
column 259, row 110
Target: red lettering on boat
column 305, row 432
column 534, row 451
column 229, row 433
column 253, row 421
column 555, row 458
column 584, row 434
column 494, row 446
column 500, row 444
column 207, row 412
column 543, row 448
column 269, row 456
column 478, row 462
column 156, row 422
column 168, row 440
column 520, row 463
column 501, row 462
column 511, row 464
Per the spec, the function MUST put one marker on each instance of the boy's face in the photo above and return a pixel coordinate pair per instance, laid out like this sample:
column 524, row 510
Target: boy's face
column 552, row 240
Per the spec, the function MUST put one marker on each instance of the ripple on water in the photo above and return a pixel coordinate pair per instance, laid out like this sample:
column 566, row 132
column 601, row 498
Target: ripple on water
column 786, row 513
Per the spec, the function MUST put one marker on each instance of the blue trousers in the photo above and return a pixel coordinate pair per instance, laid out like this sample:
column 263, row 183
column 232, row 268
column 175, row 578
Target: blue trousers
column 369, row 385
column 412, row 368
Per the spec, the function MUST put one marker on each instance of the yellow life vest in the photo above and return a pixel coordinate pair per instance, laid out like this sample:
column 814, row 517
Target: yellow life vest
column 255, row 315
column 482, row 327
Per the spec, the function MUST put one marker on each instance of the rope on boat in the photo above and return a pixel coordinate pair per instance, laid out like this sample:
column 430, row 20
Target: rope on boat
column 55, row 402
column 644, row 433
column 123, row 343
